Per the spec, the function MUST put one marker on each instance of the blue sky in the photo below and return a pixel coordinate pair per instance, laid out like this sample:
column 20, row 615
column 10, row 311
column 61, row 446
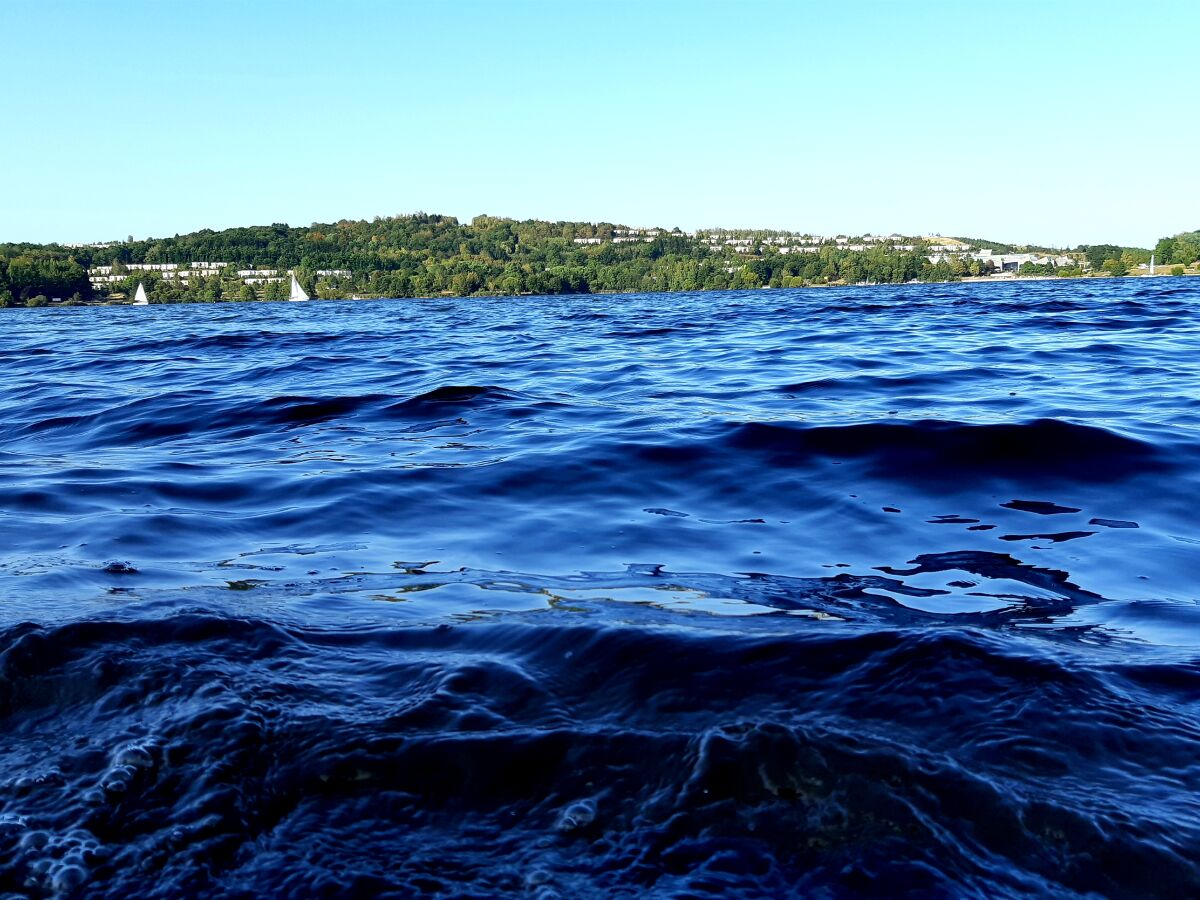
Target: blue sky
column 1049, row 122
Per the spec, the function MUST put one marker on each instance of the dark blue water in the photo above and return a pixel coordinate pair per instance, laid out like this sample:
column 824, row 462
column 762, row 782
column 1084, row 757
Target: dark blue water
column 834, row 592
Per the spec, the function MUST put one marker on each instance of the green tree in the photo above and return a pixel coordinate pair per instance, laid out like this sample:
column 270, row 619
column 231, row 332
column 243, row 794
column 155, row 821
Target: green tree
column 749, row 278
column 212, row 290
column 171, row 290
column 1098, row 254
column 1187, row 247
column 1132, row 257
column 465, row 283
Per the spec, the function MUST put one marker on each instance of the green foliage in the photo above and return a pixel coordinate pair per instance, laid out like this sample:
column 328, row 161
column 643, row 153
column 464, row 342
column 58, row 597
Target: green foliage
column 1177, row 270
column 1187, row 248
column 211, row 291
column 1133, row 257
column 1097, row 254
column 1164, row 250
column 982, row 244
column 36, row 301
column 942, row 270
column 1182, row 248
column 275, row 290
column 997, row 247
column 27, row 270
column 1036, row 269
column 423, row 255
column 1114, row 267
column 430, row 255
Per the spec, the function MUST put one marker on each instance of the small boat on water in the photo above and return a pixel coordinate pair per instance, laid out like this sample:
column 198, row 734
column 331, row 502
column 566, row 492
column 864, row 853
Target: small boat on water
column 140, row 298
column 298, row 293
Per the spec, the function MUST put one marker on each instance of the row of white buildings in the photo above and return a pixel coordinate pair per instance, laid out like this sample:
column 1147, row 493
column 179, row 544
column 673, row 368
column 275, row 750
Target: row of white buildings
column 806, row 243
column 185, row 274
column 937, row 247
column 626, row 236
column 1003, row 262
column 788, row 243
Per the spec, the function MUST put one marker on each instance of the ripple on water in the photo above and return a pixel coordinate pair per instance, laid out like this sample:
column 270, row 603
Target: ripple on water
column 835, row 592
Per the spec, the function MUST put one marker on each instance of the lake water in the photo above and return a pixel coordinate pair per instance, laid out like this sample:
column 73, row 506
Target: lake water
column 843, row 592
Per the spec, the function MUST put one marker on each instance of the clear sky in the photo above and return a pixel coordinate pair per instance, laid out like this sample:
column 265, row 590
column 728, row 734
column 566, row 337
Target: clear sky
column 1047, row 122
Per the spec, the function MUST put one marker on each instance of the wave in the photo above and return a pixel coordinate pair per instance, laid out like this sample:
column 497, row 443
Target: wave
column 934, row 449
column 842, row 592
column 240, row 342
column 175, row 415
column 457, row 394
column 867, row 385
column 582, row 757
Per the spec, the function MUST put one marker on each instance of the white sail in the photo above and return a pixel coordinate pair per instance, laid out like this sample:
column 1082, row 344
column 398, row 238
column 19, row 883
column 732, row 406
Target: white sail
column 297, row 291
column 140, row 298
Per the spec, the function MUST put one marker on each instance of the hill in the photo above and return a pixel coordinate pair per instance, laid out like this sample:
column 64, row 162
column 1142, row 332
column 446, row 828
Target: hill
column 427, row 255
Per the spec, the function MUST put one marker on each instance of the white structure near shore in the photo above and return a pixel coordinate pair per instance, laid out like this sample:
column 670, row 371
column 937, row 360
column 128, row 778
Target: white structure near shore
column 100, row 276
column 1004, row 262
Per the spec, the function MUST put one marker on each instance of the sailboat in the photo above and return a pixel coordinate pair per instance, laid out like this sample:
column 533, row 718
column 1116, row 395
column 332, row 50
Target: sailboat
column 140, row 298
column 297, row 293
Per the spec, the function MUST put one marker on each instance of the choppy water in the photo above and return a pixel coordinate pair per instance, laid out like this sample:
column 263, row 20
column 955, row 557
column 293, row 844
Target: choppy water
column 841, row 592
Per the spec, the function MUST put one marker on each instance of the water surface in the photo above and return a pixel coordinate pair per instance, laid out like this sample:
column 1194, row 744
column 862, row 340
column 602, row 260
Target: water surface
column 845, row 592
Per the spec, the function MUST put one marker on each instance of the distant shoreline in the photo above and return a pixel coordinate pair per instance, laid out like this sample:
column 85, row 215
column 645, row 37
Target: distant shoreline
column 486, row 296
column 427, row 255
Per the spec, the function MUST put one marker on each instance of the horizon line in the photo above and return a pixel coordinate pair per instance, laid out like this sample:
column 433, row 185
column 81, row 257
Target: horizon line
column 467, row 222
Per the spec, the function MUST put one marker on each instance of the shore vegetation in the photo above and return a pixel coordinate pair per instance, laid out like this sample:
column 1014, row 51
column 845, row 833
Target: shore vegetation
column 430, row 255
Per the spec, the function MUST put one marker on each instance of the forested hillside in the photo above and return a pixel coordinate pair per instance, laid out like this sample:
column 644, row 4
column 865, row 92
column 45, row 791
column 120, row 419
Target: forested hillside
column 424, row 255
column 1183, row 249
